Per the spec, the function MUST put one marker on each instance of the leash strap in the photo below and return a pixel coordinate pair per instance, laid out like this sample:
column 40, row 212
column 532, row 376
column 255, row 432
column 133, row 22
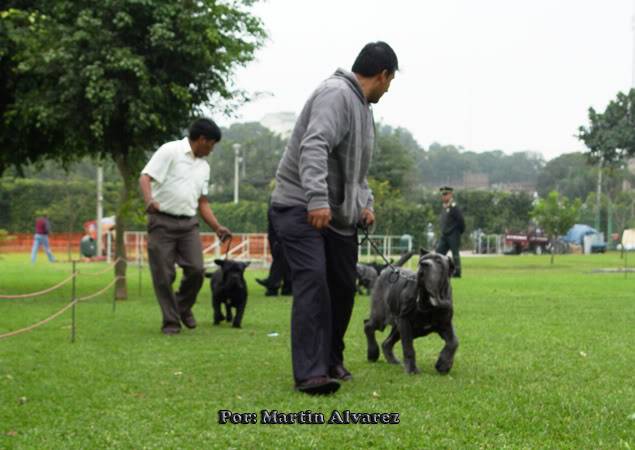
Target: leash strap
column 394, row 276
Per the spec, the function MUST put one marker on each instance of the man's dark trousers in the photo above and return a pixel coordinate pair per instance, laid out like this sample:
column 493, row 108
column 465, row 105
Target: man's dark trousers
column 279, row 272
column 175, row 240
column 451, row 242
column 322, row 264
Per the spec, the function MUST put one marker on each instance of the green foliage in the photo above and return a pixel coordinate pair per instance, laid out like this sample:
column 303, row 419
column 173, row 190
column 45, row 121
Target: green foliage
column 610, row 135
column 260, row 150
column 393, row 158
column 447, row 164
column 556, row 214
column 569, row 174
column 69, row 203
column 244, row 217
column 127, row 74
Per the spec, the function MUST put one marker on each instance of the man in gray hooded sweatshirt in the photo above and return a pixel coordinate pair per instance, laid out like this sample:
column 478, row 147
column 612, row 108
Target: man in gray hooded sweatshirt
column 321, row 196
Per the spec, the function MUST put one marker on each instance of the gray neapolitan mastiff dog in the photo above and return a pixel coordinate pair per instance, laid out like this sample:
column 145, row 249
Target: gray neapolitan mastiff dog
column 414, row 304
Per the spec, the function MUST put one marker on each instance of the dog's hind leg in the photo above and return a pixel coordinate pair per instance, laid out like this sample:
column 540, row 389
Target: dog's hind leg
column 446, row 357
column 228, row 314
column 388, row 344
column 373, row 348
column 407, row 337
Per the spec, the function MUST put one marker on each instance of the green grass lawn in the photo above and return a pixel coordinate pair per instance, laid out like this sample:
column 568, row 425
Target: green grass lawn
column 546, row 360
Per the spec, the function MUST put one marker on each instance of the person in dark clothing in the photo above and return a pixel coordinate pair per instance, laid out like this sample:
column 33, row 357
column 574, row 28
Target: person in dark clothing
column 452, row 227
column 321, row 196
column 279, row 272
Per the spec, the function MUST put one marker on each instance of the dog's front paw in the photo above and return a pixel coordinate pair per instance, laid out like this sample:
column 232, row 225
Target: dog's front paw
column 372, row 354
column 411, row 368
column 236, row 325
column 443, row 367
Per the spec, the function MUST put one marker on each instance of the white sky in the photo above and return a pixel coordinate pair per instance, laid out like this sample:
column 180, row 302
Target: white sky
column 482, row 74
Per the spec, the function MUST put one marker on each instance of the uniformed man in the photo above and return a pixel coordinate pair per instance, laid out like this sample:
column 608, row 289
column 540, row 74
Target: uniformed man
column 452, row 226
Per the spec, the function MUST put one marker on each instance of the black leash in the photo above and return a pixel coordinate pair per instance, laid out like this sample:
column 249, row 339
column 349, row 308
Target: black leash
column 394, row 276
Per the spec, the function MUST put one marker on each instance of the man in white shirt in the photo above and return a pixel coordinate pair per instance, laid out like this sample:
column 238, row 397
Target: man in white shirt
column 174, row 186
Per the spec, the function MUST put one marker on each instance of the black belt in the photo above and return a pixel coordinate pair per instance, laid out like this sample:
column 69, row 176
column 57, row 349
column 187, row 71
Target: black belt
column 174, row 216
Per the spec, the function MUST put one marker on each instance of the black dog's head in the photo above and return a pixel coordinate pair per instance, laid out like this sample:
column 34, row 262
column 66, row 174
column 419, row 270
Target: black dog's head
column 433, row 279
column 232, row 273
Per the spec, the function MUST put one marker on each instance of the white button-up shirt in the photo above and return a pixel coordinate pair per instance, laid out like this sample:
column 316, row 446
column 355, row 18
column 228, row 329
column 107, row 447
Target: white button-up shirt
column 179, row 178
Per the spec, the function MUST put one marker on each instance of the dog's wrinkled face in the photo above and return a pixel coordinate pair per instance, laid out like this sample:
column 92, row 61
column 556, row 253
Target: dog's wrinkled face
column 232, row 273
column 433, row 277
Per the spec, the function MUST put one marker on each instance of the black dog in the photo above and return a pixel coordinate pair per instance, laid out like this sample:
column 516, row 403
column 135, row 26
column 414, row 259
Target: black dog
column 414, row 304
column 229, row 287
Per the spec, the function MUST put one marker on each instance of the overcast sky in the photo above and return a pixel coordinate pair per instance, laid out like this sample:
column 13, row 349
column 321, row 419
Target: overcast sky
column 485, row 75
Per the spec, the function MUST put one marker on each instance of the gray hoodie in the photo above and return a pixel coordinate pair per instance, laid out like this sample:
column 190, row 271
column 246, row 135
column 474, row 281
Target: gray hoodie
column 329, row 152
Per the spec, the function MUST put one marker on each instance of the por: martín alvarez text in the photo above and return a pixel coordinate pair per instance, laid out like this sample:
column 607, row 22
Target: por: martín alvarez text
column 336, row 417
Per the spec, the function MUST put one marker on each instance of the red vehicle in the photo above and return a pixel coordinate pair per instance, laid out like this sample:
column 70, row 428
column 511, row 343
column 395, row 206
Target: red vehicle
column 533, row 241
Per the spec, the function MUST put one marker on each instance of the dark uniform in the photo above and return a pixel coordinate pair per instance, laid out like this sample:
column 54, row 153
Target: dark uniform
column 452, row 226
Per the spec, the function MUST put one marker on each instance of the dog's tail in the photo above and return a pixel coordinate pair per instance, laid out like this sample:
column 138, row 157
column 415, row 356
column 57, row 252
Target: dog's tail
column 404, row 259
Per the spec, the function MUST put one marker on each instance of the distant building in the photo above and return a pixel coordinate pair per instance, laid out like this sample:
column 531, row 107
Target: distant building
column 474, row 180
column 281, row 123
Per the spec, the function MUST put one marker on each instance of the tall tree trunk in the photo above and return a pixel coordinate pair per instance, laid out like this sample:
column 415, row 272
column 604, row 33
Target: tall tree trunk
column 553, row 248
column 121, row 286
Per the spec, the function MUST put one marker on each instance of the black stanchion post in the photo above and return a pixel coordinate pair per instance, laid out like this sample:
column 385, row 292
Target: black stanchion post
column 74, row 303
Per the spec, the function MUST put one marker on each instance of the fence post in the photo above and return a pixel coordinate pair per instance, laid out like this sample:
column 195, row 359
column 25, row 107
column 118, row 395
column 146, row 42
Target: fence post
column 73, row 292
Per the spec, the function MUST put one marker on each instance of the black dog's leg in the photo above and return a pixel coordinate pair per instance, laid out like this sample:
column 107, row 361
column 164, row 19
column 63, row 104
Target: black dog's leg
column 373, row 348
column 228, row 314
column 239, row 315
column 446, row 357
column 218, row 315
column 407, row 338
column 388, row 345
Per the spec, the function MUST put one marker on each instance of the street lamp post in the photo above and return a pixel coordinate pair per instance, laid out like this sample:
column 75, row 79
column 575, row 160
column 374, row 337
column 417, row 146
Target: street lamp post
column 236, row 167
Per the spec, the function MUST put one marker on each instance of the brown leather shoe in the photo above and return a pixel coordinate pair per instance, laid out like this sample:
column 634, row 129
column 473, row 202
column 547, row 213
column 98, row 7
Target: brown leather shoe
column 318, row 386
column 189, row 320
column 339, row 372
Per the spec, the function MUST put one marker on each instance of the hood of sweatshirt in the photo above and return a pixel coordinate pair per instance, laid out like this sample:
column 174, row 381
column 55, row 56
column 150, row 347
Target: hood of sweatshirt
column 351, row 80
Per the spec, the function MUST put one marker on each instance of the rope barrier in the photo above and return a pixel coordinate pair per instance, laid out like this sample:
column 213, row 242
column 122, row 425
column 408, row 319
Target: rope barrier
column 52, row 288
column 60, row 312
column 101, row 272
column 40, row 323
column 39, row 293
column 88, row 297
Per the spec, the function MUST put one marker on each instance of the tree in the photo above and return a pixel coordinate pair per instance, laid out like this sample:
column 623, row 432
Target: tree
column 115, row 79
column 394, row 158
column 610, row 136
column 569, row 174
column 555, row 214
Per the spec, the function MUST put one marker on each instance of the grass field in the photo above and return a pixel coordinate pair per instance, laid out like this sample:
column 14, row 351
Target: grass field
column 546, row 360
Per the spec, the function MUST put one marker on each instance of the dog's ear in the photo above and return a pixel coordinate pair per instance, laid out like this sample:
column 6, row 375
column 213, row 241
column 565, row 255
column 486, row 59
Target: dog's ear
column 423, row 251
column 220, row 262
column 246, row 264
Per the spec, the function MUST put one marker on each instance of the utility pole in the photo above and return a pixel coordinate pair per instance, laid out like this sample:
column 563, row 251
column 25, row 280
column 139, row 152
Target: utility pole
column 100, row 206
column 236, row 170
column 598, row 196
